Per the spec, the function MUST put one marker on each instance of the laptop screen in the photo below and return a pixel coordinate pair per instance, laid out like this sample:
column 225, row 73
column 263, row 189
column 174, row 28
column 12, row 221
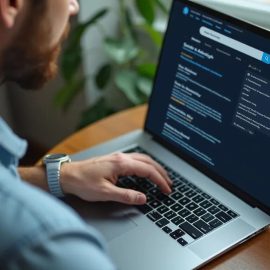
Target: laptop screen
column 211, row 97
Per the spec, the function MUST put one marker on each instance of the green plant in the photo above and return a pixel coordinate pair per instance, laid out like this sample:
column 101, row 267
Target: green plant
column 131, row 65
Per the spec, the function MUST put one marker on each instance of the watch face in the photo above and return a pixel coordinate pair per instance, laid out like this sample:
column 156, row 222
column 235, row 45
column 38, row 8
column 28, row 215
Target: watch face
column 55, row 157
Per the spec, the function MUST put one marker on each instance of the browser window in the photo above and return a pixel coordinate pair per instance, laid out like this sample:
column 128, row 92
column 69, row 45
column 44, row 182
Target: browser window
column 214, row 76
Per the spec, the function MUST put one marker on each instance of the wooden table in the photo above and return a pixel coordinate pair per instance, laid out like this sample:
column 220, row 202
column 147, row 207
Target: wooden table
column 253, row 255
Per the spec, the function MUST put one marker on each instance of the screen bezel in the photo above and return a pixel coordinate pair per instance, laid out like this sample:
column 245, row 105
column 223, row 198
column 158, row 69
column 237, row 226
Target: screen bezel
column 192, row 161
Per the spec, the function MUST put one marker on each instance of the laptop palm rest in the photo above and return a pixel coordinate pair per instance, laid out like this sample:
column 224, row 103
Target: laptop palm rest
column 111, row 219
column 224, row 237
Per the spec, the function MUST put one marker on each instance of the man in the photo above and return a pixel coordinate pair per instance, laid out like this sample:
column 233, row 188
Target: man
column 36, row 230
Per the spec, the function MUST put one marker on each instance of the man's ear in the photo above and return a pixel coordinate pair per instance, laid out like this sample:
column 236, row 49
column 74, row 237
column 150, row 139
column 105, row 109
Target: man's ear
column 9, row 10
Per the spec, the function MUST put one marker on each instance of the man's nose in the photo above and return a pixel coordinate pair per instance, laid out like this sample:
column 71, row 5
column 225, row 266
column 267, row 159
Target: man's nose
column 74, row 7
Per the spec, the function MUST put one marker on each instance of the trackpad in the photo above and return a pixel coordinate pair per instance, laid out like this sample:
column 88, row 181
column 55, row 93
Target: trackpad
column 222, row 239
column 111, row 219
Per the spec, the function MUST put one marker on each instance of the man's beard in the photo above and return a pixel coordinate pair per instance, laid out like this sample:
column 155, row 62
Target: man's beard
column 29, row 67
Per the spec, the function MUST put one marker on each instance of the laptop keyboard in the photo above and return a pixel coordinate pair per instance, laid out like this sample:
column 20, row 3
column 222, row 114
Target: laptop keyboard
column 187, row 214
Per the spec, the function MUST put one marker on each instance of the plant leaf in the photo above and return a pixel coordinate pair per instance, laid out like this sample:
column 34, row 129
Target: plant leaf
column 154, row 34
column 72, row 54
column 130, row 26
column 103, row 76
column 121, row 51
column 162, row 7
column 126, row 81
column 77, row 33
column 147, row 70
column 147, row 10
column 70, row 63
column 100, row 14
column 68, row 92
column 145, row 85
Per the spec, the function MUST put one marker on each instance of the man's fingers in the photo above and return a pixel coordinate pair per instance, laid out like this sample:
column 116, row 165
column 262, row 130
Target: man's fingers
column 126, row 196
column 142, row 169
column 152, row 162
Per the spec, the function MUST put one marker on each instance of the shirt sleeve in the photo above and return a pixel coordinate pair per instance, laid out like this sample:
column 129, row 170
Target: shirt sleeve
column 63, row 253
column 40, row 232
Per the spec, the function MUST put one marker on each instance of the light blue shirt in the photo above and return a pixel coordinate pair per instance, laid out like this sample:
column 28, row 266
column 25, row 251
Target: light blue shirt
column 38, row 231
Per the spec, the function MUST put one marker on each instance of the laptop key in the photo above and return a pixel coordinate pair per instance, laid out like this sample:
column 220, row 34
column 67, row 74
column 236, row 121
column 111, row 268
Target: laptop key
column 223, row 217
column 192, row 206
column 184, row 189
column 127, row 182
column 215, row 223
column 184, row 213
column 168, row 201
column 184, row 201
column 177, row 220
column 149, row 198
column 154, row 216
column 197, row 190
column 198, row 199
column 232, row 214
column 155, row 204
column 163, row 209
column 176, row 195
column 190, row 194
column 144, row 208
column 176, row 207
column 182, row 242
column 192, row 218
column 177, row 183
column 146, row 185
column 205, row 204
column 203, row 227
column 199, row 211
column 154, row 191
column 207, row 217
column 223, row 207
column 213, row 201
column 191, row 230
column 177, row 234
column 170, row 215
column 213, row 210
column 161, row 197
column 138, row 179
column 162, row 222
column 166, row 229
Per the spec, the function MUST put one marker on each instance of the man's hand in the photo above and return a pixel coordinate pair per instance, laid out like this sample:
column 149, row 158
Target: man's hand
column 95, row 179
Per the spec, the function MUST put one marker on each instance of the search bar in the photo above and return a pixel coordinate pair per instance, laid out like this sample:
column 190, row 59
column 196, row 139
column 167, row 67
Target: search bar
column 234, row 44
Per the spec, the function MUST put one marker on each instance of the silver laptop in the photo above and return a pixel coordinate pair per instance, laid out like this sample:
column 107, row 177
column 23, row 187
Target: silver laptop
column 208, row 124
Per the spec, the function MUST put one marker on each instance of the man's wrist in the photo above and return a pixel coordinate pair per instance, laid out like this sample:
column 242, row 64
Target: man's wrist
column 35, row 176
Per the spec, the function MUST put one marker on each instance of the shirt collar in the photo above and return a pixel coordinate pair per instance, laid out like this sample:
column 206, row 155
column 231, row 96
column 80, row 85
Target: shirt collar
column 11, row 142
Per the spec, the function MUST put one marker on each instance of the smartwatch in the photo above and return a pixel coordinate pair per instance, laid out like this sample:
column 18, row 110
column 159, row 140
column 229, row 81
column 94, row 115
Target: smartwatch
column 53, row 164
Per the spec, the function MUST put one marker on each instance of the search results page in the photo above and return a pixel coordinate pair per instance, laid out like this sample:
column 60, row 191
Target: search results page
column 211, row 97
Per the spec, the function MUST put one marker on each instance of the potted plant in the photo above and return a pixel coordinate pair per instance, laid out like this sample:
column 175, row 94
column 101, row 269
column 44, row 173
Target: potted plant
column 131, row 64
